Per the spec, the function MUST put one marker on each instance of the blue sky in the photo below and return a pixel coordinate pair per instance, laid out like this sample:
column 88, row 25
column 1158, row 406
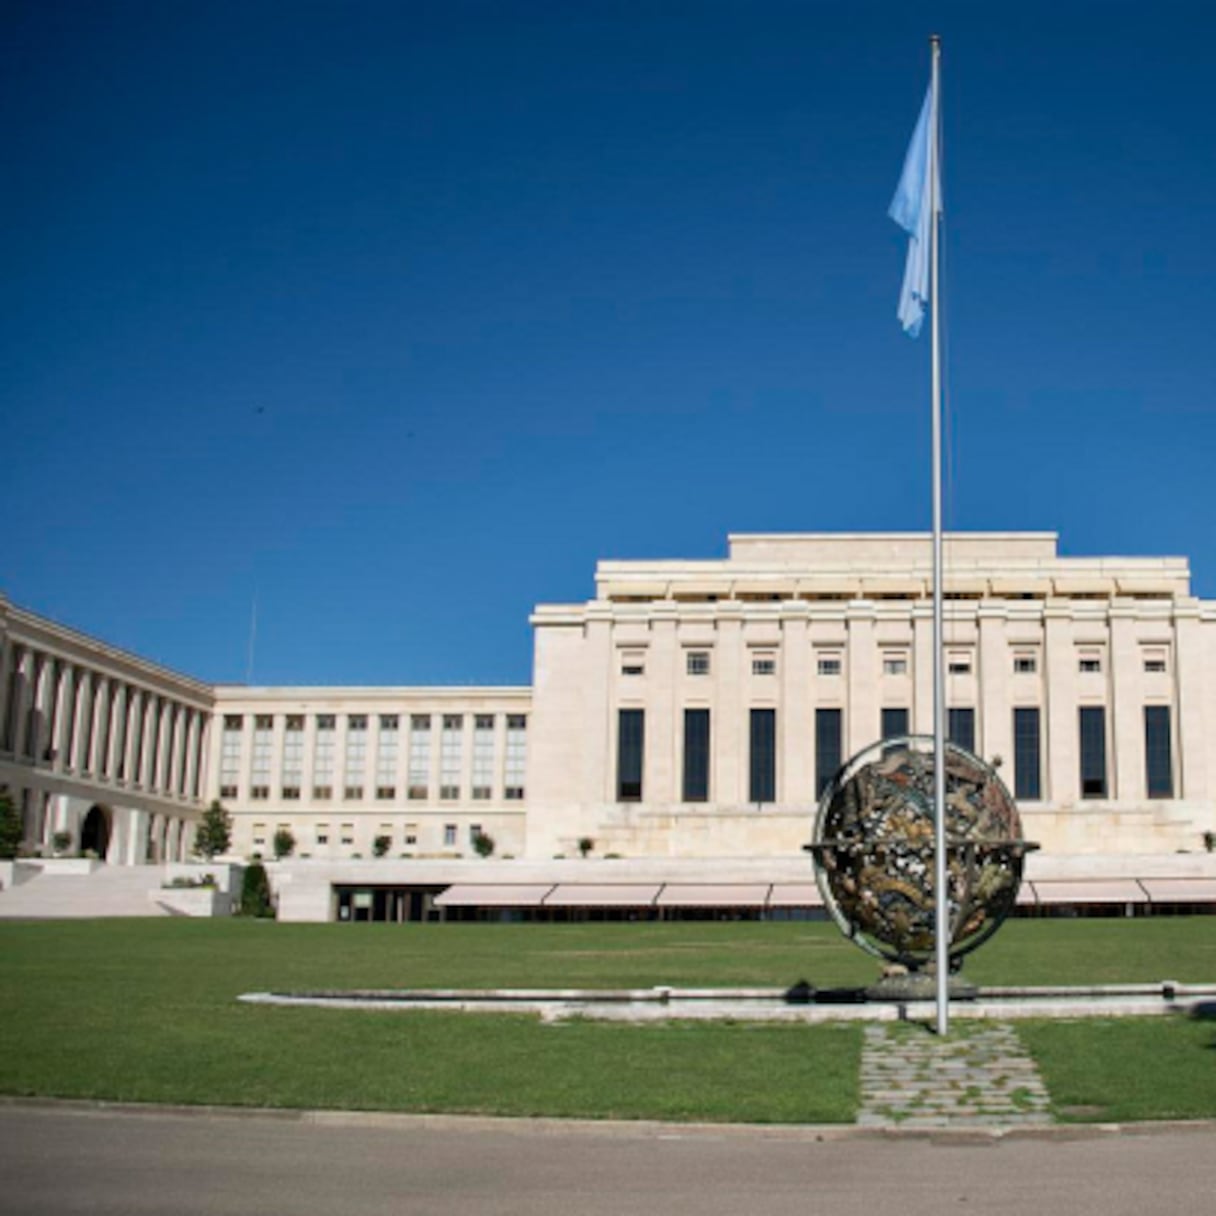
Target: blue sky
column 398, row 316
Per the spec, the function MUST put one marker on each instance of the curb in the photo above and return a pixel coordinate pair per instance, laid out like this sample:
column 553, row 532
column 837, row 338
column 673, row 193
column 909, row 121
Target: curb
column 642, row 1129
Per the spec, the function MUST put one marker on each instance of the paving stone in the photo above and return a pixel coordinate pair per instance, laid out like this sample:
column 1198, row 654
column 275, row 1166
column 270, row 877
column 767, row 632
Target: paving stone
column 911, row 1079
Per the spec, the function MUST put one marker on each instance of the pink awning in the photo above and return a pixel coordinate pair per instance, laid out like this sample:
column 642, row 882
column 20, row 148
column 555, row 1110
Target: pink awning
column 795, row 895
column 1089, row 891
column 714, row 895
column 603, row 895
column 494, row 895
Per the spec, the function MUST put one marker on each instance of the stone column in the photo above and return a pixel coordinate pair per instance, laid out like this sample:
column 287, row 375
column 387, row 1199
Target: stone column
column 661, row 678
column 44, row 699
column 118, row 733
column 62, row 722
column 135, row 721
column 1126, row 701
column 100, row 710
column 729, row 729
column 1190, row 737
column 1062, row 768
column 9, row 652
column 796, row 717
column 862, row 718
column 19, row 728
column 995, row 671
column 82, row 720
column 177, row 749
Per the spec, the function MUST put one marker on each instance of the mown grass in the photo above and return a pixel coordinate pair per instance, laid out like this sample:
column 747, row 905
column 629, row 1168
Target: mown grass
column 1121, row 1069
column 147, row 1011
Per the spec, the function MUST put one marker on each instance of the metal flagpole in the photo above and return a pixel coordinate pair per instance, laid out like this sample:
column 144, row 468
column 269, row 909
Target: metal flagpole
column 941, row 911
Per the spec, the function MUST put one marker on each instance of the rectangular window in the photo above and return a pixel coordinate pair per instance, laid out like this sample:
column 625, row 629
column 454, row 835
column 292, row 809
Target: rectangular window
column 322, row 833
column 348, row 833
column 323, row 754
column 764, row 664
column 293, row 753
column 356, row 751
column 895, row 664
column 958, row 663
column 259, row 793
column 1155, row 661
column 1158, row 752
column 227, row 791
column 762, row 785
column 960, row 727
column 451, row 742
column 230, row 754
column 630, row 746
column 1090, row 665
column 828, row 746
column 411, row 834
column 387, row 753
column 1025, row 664
column 483, row 756
column 420, row 756
column 352, row 793
column 696, row 755
column 386, row 793
column 322, row 793
column 633, row 663
column 1092, row 727
column 516, row 758
column 449, row 834
column 829, row 665
column 1027, row 754
column 262, row 732
column 894, row 721
column 697, row 662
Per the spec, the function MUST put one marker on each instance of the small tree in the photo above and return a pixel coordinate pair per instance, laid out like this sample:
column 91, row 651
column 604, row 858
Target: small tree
column 585, row 845
column 255, row 891
column 214, row 834
column 11, row 828
column 381, row 845
column 284, row 844
column 483, row 845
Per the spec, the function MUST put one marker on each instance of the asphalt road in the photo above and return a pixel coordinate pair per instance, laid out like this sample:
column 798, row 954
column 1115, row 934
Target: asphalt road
column 65, row 1160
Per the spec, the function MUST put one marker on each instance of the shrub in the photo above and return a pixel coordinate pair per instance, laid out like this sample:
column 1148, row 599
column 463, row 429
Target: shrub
column 483, row 845
column 61, row 842
column 284, row 844
column 381, row 845
column 255, row 892
column 11, row 828
column 585, row 845
column 214, row 834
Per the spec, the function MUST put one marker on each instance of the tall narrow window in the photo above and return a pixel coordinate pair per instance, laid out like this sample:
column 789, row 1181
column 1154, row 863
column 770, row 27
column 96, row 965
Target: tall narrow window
column 1092, row 723
column 355, row 759
column 515, row 761
column 420, row 755
column 696, row 755
column 230, row 755
column 451, row 747
column 1158, row 752
column 894, row 722
column 828, row 736
column 961, row 727
column 631, row 740
column 388, row 746
column 292, row 772
column 323, row 758
column 1027, row 754
column 483, row 756
column 762, row 786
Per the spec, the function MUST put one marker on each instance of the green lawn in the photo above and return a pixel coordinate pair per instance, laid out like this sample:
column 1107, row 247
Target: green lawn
column 146, row 1011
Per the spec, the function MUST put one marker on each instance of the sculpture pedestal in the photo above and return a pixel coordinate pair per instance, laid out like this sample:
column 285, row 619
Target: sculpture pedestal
column 919, row 986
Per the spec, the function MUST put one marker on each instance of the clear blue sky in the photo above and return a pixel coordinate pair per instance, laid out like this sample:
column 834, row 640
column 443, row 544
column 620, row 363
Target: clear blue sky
column 402, row 314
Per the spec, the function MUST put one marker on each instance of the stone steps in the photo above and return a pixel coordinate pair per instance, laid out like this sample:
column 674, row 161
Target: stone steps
column 107, row 891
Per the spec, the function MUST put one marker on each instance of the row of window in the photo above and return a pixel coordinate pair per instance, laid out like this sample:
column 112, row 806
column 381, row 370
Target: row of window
column 359, row 722
column 383, row 793
column 764, row 663
column 829, row 755
column 322, row 834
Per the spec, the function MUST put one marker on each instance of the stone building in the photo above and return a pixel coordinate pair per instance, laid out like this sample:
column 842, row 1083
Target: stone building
column 691, row 710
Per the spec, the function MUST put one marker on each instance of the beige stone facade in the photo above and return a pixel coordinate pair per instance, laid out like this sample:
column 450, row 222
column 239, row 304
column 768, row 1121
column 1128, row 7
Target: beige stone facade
column 692, row 709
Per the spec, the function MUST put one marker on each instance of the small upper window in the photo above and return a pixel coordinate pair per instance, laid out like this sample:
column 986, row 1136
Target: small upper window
column 829, row 665
column 764, row 665
column 958, row 664
column 895, row 665
column 1090, row 664
column 1154, row 662
column 698, row 662
column 1025, row 664
column 633, row 663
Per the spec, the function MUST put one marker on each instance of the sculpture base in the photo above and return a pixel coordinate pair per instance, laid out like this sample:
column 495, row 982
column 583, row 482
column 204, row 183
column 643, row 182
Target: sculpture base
column 919, row 986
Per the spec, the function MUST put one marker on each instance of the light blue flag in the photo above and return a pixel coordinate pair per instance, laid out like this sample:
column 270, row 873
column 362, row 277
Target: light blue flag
column 912, row 209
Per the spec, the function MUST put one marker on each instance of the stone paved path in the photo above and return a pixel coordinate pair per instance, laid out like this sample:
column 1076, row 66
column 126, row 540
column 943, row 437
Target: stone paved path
column 978, row 1076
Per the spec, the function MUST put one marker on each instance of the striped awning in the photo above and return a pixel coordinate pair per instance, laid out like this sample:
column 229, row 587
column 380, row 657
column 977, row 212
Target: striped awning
column 603, row 895
column 1089, row 891
column 714, row 895
column 494, row 895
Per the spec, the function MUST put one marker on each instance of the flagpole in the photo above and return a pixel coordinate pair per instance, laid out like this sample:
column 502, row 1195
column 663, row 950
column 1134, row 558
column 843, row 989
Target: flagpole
column 941, row 917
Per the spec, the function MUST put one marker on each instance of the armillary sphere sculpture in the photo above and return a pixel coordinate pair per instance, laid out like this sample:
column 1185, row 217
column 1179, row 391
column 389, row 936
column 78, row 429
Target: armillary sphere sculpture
column 874, row 853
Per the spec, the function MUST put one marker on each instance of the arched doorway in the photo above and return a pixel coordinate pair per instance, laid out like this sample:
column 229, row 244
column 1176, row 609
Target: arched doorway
column 95, row 832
